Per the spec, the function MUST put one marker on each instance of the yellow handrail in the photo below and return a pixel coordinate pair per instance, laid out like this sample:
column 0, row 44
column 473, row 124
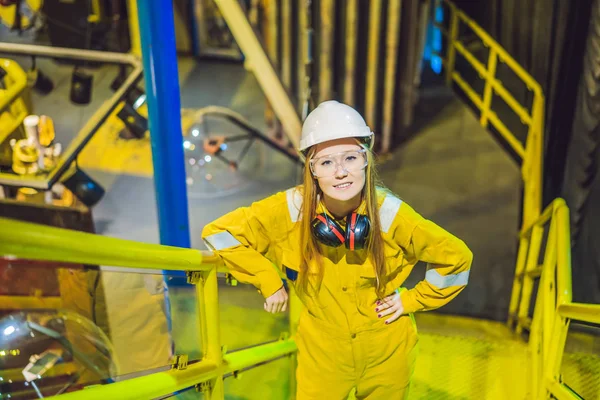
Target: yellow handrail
column 531, row 153
column 554, row 307
column 29, row 241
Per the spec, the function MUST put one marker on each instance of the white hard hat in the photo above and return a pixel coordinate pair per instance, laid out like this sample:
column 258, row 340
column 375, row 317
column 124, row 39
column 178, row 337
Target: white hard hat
column 332, row 120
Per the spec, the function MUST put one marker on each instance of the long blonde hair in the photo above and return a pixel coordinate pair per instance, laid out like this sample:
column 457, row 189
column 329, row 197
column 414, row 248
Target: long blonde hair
column 308, row 281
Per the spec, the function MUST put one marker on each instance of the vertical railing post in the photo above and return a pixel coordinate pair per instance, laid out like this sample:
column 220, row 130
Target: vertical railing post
column 513, row 308
column 489, row 87
column 452, row 38
column 207, row 298
column 564, row 295
column 532, row 259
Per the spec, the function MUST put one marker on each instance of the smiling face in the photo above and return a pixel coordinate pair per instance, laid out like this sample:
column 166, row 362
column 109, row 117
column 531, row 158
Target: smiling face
column 339, row 166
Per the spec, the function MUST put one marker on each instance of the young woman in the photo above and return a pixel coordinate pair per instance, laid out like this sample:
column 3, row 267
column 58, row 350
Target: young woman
column 346, row 246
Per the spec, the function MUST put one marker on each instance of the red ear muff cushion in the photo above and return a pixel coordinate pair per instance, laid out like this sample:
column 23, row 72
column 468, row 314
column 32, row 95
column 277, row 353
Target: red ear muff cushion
column 327, row 231
column 358, row 227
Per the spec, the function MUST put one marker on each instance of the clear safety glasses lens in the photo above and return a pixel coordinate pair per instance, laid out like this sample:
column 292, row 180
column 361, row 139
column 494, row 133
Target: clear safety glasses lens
column 349, row 161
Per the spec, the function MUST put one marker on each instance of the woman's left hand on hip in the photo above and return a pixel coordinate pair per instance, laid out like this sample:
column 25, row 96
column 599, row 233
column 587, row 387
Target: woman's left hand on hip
column 390, row 305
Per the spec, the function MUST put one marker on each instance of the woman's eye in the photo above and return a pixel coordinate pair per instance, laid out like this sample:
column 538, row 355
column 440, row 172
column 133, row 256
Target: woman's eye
column 325, row 163
column 350, row 158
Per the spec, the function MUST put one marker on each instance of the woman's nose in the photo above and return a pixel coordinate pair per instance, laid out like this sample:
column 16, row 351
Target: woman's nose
column 340, row 171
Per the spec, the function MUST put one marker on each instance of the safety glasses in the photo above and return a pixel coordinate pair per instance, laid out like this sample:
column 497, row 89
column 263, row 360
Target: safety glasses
column 349, row 161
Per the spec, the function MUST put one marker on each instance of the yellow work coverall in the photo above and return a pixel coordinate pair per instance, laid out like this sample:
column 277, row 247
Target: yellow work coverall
column 342, row 344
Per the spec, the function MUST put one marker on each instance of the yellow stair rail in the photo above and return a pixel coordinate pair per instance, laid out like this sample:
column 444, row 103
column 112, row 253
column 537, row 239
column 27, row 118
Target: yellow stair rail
column 531, row 154
column 22, row 240
column 554, row 308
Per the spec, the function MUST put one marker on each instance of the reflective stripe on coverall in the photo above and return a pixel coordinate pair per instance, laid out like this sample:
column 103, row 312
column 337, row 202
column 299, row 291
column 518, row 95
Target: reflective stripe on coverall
column 342, row 343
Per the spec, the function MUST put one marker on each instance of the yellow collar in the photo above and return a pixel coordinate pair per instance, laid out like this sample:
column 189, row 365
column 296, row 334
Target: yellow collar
column 361, row 209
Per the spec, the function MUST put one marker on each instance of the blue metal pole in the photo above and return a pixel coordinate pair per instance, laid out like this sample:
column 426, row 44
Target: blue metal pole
column 157, row 32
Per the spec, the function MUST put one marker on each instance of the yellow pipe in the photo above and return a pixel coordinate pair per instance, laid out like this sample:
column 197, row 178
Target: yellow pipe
column 326, row 51
column 350, row 57
column 392, row 43
column 372, row 62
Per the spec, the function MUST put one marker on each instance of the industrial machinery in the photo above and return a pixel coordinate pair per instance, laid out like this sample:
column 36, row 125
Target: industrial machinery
column 28, row 148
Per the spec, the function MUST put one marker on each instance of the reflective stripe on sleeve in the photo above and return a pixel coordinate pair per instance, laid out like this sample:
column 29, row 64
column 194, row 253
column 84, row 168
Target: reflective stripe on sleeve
column 221, row 240
column 445, row 281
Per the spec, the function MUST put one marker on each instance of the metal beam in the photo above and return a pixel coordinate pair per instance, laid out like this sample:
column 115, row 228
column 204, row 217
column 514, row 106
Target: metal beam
column 157, row 30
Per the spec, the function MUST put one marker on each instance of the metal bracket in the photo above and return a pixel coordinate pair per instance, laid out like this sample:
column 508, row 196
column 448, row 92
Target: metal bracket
column 204, row 387
column 230, row 280
column 180, row 361
column 193, row 277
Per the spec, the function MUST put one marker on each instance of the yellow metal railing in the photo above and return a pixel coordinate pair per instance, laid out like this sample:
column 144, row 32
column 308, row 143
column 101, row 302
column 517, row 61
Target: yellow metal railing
column 28, row 241
column 554, row 308
column 531, row 153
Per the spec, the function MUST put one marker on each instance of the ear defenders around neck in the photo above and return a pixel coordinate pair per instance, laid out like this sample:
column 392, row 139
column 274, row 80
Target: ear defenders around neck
column 330, row 233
